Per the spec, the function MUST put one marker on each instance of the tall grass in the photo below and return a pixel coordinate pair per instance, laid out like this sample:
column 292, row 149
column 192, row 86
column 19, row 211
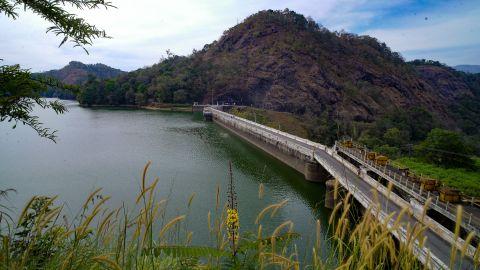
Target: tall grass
column 103, row 238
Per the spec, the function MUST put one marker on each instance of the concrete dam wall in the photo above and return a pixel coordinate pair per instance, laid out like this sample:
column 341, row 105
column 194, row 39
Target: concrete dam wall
column 298, row 157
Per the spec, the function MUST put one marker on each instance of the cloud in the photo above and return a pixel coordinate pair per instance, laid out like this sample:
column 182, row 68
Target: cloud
column 143, row 30
column 443, row 34
column 439, row 35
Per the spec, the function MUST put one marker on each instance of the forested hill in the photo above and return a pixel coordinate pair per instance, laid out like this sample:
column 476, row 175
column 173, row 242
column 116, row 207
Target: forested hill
column 282, row 61
column 77, row 73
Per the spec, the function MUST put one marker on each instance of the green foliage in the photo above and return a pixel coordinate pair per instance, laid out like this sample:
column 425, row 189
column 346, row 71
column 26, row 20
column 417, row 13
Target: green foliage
column 19, row 93
column 69, row 26
column 390, row 151
column 396, row 137
column 369, row 140
column 445, row 148
column 102, row 238
column 281, row 61
column 414, row 123
column 88, row 94
column 36, row 240
column 175, row 79
column 76, row 73
column 180, row 96
column 466, row 180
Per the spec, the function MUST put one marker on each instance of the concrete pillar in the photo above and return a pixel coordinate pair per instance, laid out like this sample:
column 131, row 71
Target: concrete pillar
column 208, row 116
column 314, row 172
column 329, row 194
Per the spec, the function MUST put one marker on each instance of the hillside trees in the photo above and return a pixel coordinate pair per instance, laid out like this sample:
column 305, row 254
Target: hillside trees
column 176, row 79
column 281, row 61
column 19, row 92
column 445, row 148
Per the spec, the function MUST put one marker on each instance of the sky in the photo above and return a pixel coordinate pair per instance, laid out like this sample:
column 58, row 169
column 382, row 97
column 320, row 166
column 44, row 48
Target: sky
column 142, row 30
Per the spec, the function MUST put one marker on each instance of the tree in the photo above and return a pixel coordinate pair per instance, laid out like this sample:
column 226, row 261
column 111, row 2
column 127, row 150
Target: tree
column 396, row 137
column 140, row 99
column 19, row 91
column 18, row 94
column 180, row 96
column 89, row 95
column 445, row 148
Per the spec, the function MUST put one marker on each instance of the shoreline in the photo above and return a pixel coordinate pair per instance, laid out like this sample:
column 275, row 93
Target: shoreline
column 170, row 108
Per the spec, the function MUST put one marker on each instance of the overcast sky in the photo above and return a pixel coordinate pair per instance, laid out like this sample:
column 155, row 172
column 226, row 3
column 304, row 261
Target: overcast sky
column 142, row 30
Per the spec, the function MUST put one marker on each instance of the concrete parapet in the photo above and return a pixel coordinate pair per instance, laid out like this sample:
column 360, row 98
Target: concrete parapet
column 291, row 153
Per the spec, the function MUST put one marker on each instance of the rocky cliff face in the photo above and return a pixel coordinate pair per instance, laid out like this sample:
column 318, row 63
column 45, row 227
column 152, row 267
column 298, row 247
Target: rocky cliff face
column 281, row 61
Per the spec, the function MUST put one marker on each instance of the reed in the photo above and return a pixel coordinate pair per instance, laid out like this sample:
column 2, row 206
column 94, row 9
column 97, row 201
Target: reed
column 103, row 238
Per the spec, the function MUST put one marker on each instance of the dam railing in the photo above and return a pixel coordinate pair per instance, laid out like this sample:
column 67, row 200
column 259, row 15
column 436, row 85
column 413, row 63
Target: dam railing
column 314, row 151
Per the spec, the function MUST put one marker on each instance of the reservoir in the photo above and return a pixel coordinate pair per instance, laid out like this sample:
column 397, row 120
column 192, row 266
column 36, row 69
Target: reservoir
column 108, row 148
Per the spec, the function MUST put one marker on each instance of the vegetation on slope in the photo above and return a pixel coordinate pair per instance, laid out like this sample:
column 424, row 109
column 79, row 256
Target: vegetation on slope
column 76, row 73
column 102, row 238
column 462, row 179
column 282, row 61
column 279, row 120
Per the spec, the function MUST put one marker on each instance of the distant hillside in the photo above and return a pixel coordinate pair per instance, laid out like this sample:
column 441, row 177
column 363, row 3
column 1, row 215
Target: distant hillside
column 468, row 68
column 337, row 82
column 77, row 73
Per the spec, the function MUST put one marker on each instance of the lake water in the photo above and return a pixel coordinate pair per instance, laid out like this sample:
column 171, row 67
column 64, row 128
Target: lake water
column 109, row 147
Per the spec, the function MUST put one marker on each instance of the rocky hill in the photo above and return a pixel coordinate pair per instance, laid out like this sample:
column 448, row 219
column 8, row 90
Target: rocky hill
column 76, row 73
column 282, row 61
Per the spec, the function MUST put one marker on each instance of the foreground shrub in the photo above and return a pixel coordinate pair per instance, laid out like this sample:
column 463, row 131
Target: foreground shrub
column 103, row 238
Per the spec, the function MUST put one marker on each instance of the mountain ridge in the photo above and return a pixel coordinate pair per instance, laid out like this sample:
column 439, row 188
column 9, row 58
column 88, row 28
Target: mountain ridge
column 282, row 61
column 76, row 72
column 468, row 68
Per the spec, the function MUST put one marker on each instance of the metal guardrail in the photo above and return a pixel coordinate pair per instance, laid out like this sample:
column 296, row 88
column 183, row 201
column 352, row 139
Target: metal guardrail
column 469, row 221
column 270, row 133
column 308, row 148
column 422, row 253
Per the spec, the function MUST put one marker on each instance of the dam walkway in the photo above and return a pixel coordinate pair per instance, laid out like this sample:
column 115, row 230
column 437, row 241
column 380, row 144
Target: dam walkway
column 319, row 162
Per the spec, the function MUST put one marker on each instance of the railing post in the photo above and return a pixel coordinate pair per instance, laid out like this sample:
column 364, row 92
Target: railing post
column 437, row 200
column 470, row 219
column 446, row 207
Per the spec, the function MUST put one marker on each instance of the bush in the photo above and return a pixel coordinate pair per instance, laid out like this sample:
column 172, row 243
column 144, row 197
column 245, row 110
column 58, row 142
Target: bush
column 102, row 238
column 390, row 151
column 445, row 148
column 396, row 137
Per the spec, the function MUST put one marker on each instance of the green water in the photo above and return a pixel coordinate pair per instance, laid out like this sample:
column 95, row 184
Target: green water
column 109, row 147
